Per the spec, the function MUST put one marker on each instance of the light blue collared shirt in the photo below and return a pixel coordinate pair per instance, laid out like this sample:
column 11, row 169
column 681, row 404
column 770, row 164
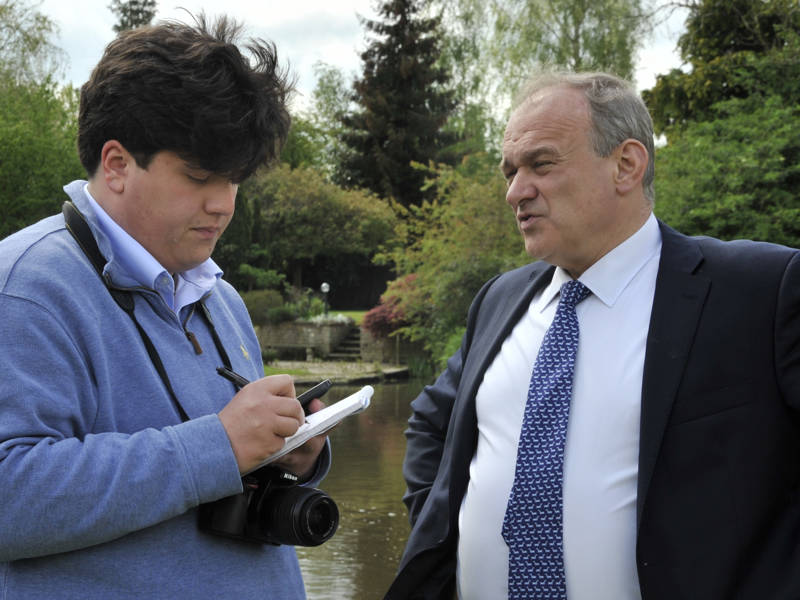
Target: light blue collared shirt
column 187, row 287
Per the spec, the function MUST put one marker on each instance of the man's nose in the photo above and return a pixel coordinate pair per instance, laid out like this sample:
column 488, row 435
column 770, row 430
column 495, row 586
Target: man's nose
column 521, row 187
column 222, row 198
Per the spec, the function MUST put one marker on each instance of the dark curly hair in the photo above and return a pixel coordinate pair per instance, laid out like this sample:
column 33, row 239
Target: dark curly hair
column 189, row 90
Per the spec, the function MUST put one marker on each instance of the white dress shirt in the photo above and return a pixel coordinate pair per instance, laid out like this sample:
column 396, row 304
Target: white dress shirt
column 602, row 446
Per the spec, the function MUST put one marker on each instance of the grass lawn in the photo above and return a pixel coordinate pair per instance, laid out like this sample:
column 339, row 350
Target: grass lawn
column 356, row 315
column 268, row 370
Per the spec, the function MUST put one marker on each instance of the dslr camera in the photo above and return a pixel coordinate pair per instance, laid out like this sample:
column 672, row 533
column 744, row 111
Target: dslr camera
column 272, row 509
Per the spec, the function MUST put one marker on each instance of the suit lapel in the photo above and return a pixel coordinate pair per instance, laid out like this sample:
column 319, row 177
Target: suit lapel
column 677, row 304
column 505, row 302
column 504, row 315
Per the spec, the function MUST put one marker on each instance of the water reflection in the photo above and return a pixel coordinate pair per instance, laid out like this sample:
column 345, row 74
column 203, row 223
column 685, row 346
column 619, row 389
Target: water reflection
column 366, row 482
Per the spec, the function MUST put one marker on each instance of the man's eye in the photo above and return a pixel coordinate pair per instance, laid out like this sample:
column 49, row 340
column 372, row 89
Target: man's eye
column 197, row 179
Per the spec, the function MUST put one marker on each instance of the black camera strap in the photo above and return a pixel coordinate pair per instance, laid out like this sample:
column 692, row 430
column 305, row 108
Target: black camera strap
column 79, row 228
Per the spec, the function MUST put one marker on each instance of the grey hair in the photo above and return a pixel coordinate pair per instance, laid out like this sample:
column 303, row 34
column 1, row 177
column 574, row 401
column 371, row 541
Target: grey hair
column 616, row 112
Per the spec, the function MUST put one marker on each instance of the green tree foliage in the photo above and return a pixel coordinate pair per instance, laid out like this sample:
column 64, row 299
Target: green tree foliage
column 37, row 145
column 132, row 13
column 476, row 121
column 27, row 54
column 38, row 123
column 286, row 219
column 734, row 48
column 330, row 103
column 715, row 28
column 736, row 175
column 495, row 46
column 305, row 145
column 402, row 103
column 731, row 165
column 315, row 138
column 451, row 246
column 578, row 34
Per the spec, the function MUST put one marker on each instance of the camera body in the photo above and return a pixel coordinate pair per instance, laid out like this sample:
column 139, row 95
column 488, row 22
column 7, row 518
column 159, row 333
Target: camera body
column 272, row 509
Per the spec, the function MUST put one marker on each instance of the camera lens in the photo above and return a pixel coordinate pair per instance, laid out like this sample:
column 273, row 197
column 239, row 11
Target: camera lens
column 322, row 518
column 300, row 516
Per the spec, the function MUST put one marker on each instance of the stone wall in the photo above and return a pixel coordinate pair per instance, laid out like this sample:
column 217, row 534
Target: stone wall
column 315, row 340
column 388, row 350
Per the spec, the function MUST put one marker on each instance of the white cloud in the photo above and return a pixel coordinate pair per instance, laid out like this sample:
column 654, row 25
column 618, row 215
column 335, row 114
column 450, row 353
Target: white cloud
column 660, row 55
column 305, row 32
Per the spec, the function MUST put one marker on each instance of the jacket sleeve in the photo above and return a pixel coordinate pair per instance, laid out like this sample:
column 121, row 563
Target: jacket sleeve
column 428, row 425
column 787, row 333
column 68, row 485
column 425, row 436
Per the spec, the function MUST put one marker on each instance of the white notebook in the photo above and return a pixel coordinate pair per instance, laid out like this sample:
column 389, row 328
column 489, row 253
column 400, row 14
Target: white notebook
column 321, row 421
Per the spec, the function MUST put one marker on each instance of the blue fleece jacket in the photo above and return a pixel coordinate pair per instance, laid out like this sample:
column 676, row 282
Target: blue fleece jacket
column 100, row 478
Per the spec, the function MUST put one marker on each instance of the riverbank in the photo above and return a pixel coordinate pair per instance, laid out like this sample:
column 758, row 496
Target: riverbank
column 310, row 372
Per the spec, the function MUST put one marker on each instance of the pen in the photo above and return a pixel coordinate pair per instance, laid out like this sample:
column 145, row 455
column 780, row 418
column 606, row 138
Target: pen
column 305, row 398
column 237, row 379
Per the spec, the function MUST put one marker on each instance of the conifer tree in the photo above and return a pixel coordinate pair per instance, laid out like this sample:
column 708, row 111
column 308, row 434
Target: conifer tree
column 402, row 104
column 132, row 13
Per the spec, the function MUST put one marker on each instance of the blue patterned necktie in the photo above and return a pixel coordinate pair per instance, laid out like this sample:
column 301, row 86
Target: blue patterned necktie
column 532, row 524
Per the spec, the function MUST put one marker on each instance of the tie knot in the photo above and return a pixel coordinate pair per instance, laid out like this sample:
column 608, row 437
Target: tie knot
column 572, row 292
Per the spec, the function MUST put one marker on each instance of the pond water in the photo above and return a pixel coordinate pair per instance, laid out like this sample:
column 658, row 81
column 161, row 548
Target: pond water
column 366, row 481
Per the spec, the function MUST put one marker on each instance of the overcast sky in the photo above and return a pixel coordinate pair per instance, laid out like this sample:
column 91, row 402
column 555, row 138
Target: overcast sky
column 305, row 31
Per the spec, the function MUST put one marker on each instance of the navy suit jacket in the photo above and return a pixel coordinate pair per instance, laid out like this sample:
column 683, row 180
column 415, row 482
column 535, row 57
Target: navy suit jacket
column 718, row 507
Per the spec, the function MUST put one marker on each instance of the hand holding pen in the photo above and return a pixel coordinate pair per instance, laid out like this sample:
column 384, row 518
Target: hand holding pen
column 260, row 417
column 305, row 398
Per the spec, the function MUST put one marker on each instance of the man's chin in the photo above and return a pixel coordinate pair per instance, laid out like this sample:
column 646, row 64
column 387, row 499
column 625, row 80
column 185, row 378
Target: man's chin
column 534, row 249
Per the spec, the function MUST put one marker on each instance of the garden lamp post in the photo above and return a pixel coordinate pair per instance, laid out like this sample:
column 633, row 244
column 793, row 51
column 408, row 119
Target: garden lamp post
column 325, row 288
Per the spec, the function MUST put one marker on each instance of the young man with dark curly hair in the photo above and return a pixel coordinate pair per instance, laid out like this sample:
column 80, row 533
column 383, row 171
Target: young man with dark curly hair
column 115, row 426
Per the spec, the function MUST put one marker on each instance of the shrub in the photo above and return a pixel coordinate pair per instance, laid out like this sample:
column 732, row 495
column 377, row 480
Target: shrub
column 281, row 314
column 451, row 246
column 260, row 302
column 268, row 356
column 382, row 320
column 450, row 347
column 388, row 316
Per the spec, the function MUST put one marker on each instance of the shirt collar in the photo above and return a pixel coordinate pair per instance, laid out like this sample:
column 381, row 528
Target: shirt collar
column 609, row 276
column 143, row 268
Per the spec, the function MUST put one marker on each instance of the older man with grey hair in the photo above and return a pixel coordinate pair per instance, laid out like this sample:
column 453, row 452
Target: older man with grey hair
column 621, row 420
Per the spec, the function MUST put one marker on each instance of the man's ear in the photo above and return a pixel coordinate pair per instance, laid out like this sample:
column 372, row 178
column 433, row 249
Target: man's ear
column 116, row 165
column 631, row 165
